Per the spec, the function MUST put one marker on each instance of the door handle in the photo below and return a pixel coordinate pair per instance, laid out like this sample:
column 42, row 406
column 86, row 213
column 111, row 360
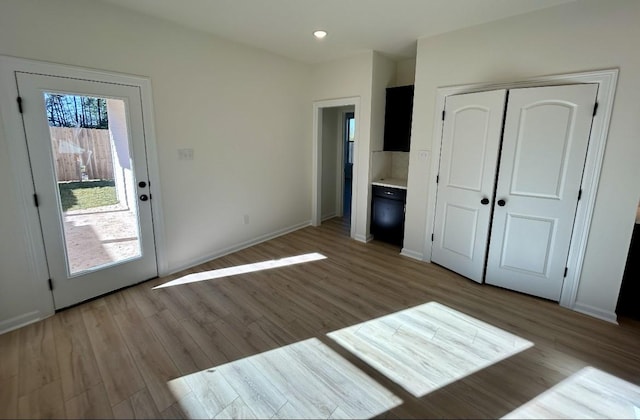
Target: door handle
column 484, row 201
column 144, row 197
column 501, row 203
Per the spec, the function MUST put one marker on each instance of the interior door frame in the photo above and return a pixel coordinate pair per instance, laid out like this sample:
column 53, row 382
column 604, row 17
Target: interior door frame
column 607, row 80
column 316, row 172
column 23, row 179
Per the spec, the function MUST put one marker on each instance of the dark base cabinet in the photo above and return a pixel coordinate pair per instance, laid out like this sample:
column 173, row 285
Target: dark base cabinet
column 629, row 299
column 387, row 214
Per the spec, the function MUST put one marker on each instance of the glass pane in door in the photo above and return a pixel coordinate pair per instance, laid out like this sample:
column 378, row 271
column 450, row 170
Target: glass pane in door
column 95, row 179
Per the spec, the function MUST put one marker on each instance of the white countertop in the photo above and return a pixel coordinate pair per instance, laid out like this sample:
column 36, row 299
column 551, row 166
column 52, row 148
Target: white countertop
column 391, row 182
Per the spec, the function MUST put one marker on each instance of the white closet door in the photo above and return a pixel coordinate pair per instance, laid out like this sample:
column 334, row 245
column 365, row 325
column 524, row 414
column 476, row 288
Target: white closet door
column 468, row 161
column 546, row 135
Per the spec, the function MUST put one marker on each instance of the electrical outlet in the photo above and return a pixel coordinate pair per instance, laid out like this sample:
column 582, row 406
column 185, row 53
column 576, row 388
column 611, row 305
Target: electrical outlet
column 423, row 154
column 185, row 154
column 246, row 219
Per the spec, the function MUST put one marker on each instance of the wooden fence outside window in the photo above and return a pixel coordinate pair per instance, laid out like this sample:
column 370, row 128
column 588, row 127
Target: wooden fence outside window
column 81, row 153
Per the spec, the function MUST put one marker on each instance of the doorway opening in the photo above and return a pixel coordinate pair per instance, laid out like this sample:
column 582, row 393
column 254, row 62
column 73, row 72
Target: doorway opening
column 82, row 150
column 335, row 162
column 338, row 141
column 349, row 132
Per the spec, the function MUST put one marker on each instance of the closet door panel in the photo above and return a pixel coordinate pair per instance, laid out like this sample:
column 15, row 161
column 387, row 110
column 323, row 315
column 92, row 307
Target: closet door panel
column 544, row 137
column 546, row 134
column 468, row 160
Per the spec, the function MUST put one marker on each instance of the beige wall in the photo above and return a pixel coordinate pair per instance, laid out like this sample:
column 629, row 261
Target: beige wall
column 351, row 77
column 406, row 72
column 580, row 36
column 246, row 113
column 330, row 146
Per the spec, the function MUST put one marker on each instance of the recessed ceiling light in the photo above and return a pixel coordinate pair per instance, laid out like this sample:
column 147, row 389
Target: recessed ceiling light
column 320, row 34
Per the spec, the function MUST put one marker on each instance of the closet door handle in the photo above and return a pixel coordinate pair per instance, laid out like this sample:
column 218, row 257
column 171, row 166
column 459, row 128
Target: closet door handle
column 484, row 201
column 501, row 203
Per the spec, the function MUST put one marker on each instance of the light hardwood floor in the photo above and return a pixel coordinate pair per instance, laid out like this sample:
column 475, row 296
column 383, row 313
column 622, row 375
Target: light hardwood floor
column 588, row 394
column 204, row 349
column 428, row 346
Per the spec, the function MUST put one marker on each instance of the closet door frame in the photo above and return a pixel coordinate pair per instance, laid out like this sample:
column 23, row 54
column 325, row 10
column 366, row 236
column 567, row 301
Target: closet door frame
column 607, row 80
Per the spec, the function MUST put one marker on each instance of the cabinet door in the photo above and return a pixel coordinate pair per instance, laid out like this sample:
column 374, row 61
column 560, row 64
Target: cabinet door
column 397, row 118
column 387, row 214
column 468, row 160
column 546, row 134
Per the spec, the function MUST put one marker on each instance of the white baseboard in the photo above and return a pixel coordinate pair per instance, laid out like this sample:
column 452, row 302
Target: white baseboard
column 19, row 321
column 596, row 312
column 238, row 247
column 362, row 238
column 412, row 254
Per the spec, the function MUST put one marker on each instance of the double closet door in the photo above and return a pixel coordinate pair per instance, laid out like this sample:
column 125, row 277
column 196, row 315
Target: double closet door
column 510, row 172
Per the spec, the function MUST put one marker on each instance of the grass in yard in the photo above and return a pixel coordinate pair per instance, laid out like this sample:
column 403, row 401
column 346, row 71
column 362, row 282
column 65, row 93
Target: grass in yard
column 86, row 195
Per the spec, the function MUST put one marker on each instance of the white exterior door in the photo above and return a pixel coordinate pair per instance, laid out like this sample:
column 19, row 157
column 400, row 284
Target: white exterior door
column 546, row 135
column 87, row 152
column 468, row 162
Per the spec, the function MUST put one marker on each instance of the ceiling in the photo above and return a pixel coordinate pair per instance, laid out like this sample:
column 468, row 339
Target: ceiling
column 285, row 27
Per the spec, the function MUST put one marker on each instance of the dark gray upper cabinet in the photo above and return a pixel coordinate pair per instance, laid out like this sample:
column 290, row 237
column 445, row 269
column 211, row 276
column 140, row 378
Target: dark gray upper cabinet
column 397, row 118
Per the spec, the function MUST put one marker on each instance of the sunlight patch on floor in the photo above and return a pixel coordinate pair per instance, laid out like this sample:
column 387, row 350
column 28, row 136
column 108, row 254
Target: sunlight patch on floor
column 243, row 269
column 302, row 380
column 428, row 346
column 587, row 394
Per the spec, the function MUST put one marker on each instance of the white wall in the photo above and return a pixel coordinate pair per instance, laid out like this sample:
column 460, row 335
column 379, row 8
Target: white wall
column 330, row 146
column 121, row 157
column 245, row 112
column 384, row 75
column 580, row 36
column 351, row 77
column 406, row 72
column 365, row 75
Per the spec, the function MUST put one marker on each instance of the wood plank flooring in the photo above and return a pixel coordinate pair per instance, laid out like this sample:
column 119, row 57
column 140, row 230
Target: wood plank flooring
column 589, row 393
column 428, row 346
column 235, row 346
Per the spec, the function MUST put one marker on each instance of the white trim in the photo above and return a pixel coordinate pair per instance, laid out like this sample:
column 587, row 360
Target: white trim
column 153, row 168
column 411, row 254
column 340, row 165
column 596, row 312
column 239, row 246
column 37, row 271
column 606, row 79
column 316, row 175
column 363, row 238
column 20, row 164
column 329, row 216
column 20, row 321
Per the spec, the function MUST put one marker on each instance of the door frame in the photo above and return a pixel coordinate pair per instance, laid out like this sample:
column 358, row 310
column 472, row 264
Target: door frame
column 316, row 172
column 607, row 80
column 23, row 179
